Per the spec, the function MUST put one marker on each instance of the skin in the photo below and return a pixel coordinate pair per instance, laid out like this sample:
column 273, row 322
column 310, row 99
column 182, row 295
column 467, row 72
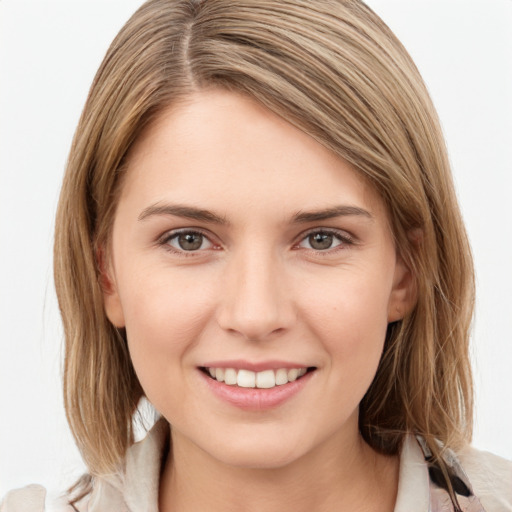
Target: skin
column 257, row 288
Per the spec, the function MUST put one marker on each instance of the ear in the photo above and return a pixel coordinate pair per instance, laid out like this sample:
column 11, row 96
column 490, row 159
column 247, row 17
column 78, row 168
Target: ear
column 404, row 292
column 111, row 299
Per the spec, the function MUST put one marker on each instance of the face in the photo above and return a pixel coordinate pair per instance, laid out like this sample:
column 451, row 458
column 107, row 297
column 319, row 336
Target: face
column 255, row 273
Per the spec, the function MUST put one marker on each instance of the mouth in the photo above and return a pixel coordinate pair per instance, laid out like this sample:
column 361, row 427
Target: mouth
column 266, row 379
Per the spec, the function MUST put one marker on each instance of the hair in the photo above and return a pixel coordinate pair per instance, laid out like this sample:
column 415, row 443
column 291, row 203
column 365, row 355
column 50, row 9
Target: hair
column 333, row 69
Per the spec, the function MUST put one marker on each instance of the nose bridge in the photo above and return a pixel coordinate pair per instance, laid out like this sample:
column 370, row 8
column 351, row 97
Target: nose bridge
column 254, row 302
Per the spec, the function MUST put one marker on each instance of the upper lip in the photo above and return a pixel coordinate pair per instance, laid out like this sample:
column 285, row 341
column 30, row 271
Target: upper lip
column 239, row 364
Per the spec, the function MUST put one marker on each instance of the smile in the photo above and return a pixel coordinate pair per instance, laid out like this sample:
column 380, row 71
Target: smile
column 257, row 389
column 265, row 379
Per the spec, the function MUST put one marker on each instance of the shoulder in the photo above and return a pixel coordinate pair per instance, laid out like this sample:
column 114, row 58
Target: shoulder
column 33, row 498
column 490, row 476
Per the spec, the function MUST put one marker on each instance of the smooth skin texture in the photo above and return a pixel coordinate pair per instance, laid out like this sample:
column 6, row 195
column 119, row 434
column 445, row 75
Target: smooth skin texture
column 255, row 276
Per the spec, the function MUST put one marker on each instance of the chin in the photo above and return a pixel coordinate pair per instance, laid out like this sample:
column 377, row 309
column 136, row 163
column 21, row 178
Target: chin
column 256, row 451
column 259, row 457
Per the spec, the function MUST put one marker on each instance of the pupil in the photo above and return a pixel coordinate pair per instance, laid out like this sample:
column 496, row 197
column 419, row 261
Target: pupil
column 320, row 241
column 190, row 241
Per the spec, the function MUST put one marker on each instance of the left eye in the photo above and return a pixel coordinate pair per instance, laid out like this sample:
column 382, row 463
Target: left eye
column 189, row 241
column 322, row 240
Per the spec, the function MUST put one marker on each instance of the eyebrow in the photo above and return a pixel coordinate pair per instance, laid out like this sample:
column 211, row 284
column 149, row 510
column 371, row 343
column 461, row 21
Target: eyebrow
column 199, row 214
column 187, row 212
column 330, row 213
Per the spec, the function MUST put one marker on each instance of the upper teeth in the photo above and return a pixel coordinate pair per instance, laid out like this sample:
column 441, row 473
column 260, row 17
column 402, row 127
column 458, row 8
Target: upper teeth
column 248, row 379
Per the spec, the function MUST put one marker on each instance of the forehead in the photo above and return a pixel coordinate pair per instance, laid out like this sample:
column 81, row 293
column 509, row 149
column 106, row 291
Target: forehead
column 223, row 149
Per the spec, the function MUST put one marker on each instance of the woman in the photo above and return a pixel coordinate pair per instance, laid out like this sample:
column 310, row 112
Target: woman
column 258, row 232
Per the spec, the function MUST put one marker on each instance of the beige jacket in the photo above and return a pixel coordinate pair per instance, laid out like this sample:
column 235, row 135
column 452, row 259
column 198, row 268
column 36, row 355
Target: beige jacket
column 484, row 476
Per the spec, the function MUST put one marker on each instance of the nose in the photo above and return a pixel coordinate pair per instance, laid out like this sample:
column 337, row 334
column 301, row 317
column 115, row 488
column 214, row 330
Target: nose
column 255, row 303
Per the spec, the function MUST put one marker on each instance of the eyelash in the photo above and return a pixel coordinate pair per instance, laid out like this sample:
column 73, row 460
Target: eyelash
column 343, row 237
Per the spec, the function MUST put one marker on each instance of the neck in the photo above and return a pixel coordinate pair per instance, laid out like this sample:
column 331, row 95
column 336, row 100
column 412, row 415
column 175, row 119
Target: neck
column 339, row 475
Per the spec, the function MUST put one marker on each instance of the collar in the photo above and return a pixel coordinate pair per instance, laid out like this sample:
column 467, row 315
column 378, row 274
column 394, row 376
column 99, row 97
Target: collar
column 135, row 489
column 413, row 479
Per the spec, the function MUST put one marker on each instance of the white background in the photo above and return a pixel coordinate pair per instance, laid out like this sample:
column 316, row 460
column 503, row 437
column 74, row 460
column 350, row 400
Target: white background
column 49, row 52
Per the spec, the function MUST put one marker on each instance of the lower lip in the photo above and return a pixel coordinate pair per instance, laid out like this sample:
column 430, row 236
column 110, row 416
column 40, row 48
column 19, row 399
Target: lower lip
column 256, row 399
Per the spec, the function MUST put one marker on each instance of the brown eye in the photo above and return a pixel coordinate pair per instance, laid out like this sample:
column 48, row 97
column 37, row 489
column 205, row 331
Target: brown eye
column 189, row 241
column 323, row 240
column 320, row 241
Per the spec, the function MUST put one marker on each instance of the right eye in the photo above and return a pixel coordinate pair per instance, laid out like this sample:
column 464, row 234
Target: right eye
column 187, row 241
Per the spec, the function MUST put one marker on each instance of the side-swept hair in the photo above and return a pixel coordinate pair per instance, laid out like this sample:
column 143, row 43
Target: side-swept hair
column 335, row 70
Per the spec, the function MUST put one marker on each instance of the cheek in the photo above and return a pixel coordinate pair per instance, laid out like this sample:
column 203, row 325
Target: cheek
column 352, row 301
column 164, row 316
column 349, row 317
